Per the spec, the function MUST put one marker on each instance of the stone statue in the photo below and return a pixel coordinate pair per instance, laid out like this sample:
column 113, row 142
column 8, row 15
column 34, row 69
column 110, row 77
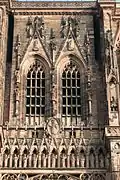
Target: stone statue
column 35, row 160
column 35, row 45
column 82, row 160
column 39, row 25
column 113, row 103
column 101, row 160
column 63, row 28
column 6, row 159
column 72, row 160
column 53, row 159
column 44, row 160
column 15, row 160
column 29, row 28
column 70, row 44
column 92, row 160
column 25, row 160
column 63, row 160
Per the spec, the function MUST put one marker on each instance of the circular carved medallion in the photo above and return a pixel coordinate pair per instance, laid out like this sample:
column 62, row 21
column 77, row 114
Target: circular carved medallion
column 53, row 126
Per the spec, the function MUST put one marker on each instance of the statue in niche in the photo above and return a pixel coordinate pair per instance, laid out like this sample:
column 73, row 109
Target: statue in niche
column 29, row 28
column 109, row 38
column 44, row 160
column 16, row 158
column 34, row 159
column 72, row 159
column 70, row 44
column 54, row 160
column 70, row 20
column 63, row 28
column 25, row 160
column 75, row 27
column 6, row 160
column 92, row 160
column 107, row 160
column 17, row 76
column 113, row 96
column 63, row 159
column 35, row 45
column 39, row 25
column 82, row 160
column 101, row 160
column 113, row 104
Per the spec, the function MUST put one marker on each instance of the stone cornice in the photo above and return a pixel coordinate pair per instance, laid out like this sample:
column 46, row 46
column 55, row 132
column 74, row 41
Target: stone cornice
column 54, row 12
column 52, row 5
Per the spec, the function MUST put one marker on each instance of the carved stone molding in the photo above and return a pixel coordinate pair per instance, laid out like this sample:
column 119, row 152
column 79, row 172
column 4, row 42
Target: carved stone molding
column 54, row 4
column 112, row 131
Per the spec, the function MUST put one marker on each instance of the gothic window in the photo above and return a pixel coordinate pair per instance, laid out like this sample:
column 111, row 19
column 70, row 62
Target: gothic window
column 35, row 91
column 71, row 91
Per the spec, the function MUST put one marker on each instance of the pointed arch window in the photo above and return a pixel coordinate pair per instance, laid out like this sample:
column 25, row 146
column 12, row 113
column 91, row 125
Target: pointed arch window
column 71, row 91
column 35, row 91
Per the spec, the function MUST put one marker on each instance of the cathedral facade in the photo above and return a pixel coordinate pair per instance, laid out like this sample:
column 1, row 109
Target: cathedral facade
column 59, row 90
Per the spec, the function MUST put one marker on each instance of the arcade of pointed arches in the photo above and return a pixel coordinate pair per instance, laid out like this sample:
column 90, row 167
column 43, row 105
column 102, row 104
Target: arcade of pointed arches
column 83, row 176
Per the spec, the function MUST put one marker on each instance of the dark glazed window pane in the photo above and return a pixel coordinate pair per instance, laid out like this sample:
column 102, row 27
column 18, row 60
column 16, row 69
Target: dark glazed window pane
column 64, row 92
column 64, row 101
column 78, row 83
column 32, row 110
column 68, row 75
column 79, row 110
column 38, row 74
column 43, row 101
column 73, row 82
column 64, row 110
column 73, row 74
column 38, row 110
column 28, row 101
column 38, row 101
column 43, row 75
column 69, row 92
column 43, row 91
column 74, row 92
column 33, row 75
column 33, row 101
column 27, row 110
column 38, row 82
column 69, row 110
column 42, row 110
column 78, row 92
column 28, row 75
column 69, row 101
column 68, row 82
column 28, row 82
column 33, row 82
column 74, row 101
column 64, row 75
column 78, row 75
column 28, row 92
column 43, row 83
column 74, row 110
column 63, row 82
column 35, row 91
column 38, row 92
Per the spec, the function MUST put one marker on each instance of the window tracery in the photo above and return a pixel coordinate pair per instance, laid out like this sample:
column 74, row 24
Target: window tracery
column 71, row 91
column 35, row 91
